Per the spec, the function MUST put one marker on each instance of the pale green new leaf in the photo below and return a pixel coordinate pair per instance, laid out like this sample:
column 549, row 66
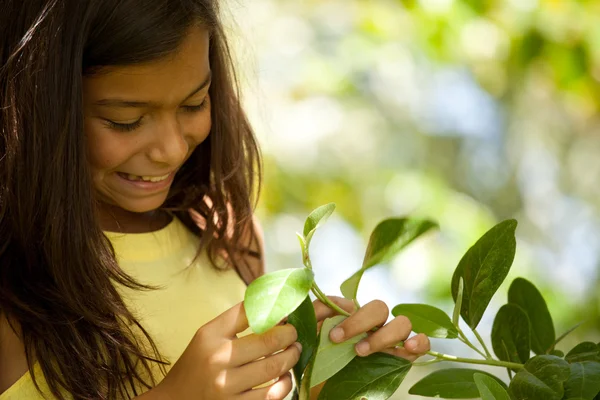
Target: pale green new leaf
column 317, row 216
column 427, row 319
column 332, row 357
column 388, row 238
column 274, row 296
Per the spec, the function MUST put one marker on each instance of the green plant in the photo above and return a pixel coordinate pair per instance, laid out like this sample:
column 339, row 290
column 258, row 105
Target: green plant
column 522, row 326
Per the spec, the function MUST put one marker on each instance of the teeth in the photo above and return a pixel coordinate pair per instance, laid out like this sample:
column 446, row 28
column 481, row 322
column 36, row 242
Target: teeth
column 147, row 178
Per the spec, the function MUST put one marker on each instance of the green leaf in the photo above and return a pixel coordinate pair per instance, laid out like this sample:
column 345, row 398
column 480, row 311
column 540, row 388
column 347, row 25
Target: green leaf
column 274, row 296
column 332, row 357
column 428, row 320
column 458, row 304
column 542, row 378
column 317, row 216
column 451, row 383
column 511, row 334
column 524, row 294
column 557, row 353
column 304, row 391
column 489, row 388
column 584, row 380
column 305, row 322
column 302, row 241
column 585, row 351
column 375, row 377
column 388, row 238
column 564, row 335
column 483, row 268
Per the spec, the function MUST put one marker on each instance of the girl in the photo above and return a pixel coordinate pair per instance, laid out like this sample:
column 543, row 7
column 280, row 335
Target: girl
column 127, row 175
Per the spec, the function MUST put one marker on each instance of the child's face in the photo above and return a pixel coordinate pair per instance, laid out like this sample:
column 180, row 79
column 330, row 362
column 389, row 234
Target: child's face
column 142, row 122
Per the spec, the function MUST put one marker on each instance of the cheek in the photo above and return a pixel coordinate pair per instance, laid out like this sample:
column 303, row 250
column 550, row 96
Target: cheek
column 200, row 126
column 106, row 150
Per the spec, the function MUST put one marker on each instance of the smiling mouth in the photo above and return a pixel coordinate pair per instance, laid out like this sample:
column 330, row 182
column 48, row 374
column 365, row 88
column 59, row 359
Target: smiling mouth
column 144, row 178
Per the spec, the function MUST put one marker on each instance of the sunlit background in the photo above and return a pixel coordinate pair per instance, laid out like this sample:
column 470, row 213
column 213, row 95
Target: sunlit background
column 464, row 111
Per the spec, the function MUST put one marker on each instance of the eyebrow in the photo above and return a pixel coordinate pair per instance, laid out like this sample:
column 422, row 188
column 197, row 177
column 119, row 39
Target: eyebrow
column 118, row 102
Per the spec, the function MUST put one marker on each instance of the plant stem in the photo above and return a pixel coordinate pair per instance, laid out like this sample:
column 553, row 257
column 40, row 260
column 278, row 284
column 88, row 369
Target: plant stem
column 487, row 352
column 428, row 362
column 463, row 338
column 492, row 362
column 319, row 294
column 325, row 300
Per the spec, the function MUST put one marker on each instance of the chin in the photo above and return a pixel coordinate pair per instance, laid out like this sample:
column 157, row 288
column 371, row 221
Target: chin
column 143, row 206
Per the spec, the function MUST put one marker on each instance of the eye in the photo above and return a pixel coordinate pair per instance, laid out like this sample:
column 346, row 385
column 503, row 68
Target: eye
column 198, row 107
column 124, row 127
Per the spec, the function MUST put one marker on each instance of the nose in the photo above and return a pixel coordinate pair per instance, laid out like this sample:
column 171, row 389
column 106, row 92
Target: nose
column 169, row 145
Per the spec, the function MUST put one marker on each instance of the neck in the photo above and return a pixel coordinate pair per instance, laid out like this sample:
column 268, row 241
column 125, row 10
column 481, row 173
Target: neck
column 116, row 219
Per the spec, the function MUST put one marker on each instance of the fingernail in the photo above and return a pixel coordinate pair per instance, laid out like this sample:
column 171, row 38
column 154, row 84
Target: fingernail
column 410, row 344
column 362, row 348
column 336, row 334
column 299, row 346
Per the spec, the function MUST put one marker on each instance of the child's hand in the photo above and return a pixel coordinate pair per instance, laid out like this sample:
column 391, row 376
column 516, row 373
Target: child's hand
column 374, row 314
column 217, row 365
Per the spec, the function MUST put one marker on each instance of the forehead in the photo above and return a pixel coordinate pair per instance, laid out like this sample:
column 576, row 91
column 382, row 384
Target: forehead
column 165, row 81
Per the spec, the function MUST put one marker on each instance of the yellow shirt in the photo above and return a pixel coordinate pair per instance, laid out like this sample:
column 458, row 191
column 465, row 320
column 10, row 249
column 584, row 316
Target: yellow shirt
column 189, row 298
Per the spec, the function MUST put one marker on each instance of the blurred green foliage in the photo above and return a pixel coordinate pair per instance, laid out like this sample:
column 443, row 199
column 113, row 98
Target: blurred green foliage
column 463, row 111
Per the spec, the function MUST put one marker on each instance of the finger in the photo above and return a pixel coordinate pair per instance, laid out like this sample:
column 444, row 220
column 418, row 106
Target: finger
column 418, row 344
column 253, row 347
column 396, row 330
column 323, row 311
column 372, row 315
column 403, row 353
column 230, row 322
column 276, row 391
column 258, row 372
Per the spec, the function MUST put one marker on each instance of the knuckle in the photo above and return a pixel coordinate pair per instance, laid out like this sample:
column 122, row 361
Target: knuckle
column 293, row 333
column 200, row 335
column 273, row 367
column 270, row 341
column 405, row 322
column 424, row 339
column 220, row 384
column 296, row 353
column 382, row 306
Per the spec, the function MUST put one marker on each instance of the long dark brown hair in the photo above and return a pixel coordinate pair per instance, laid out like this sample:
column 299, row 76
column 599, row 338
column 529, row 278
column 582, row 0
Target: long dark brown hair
column 57, row 269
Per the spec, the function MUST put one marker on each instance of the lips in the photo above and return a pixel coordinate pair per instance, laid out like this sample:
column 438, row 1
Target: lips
column 144, row 178
column 146, row 184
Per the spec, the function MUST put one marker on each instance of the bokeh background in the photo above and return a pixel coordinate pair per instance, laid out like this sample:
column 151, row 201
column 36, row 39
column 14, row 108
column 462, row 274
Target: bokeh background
column 464, row 111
